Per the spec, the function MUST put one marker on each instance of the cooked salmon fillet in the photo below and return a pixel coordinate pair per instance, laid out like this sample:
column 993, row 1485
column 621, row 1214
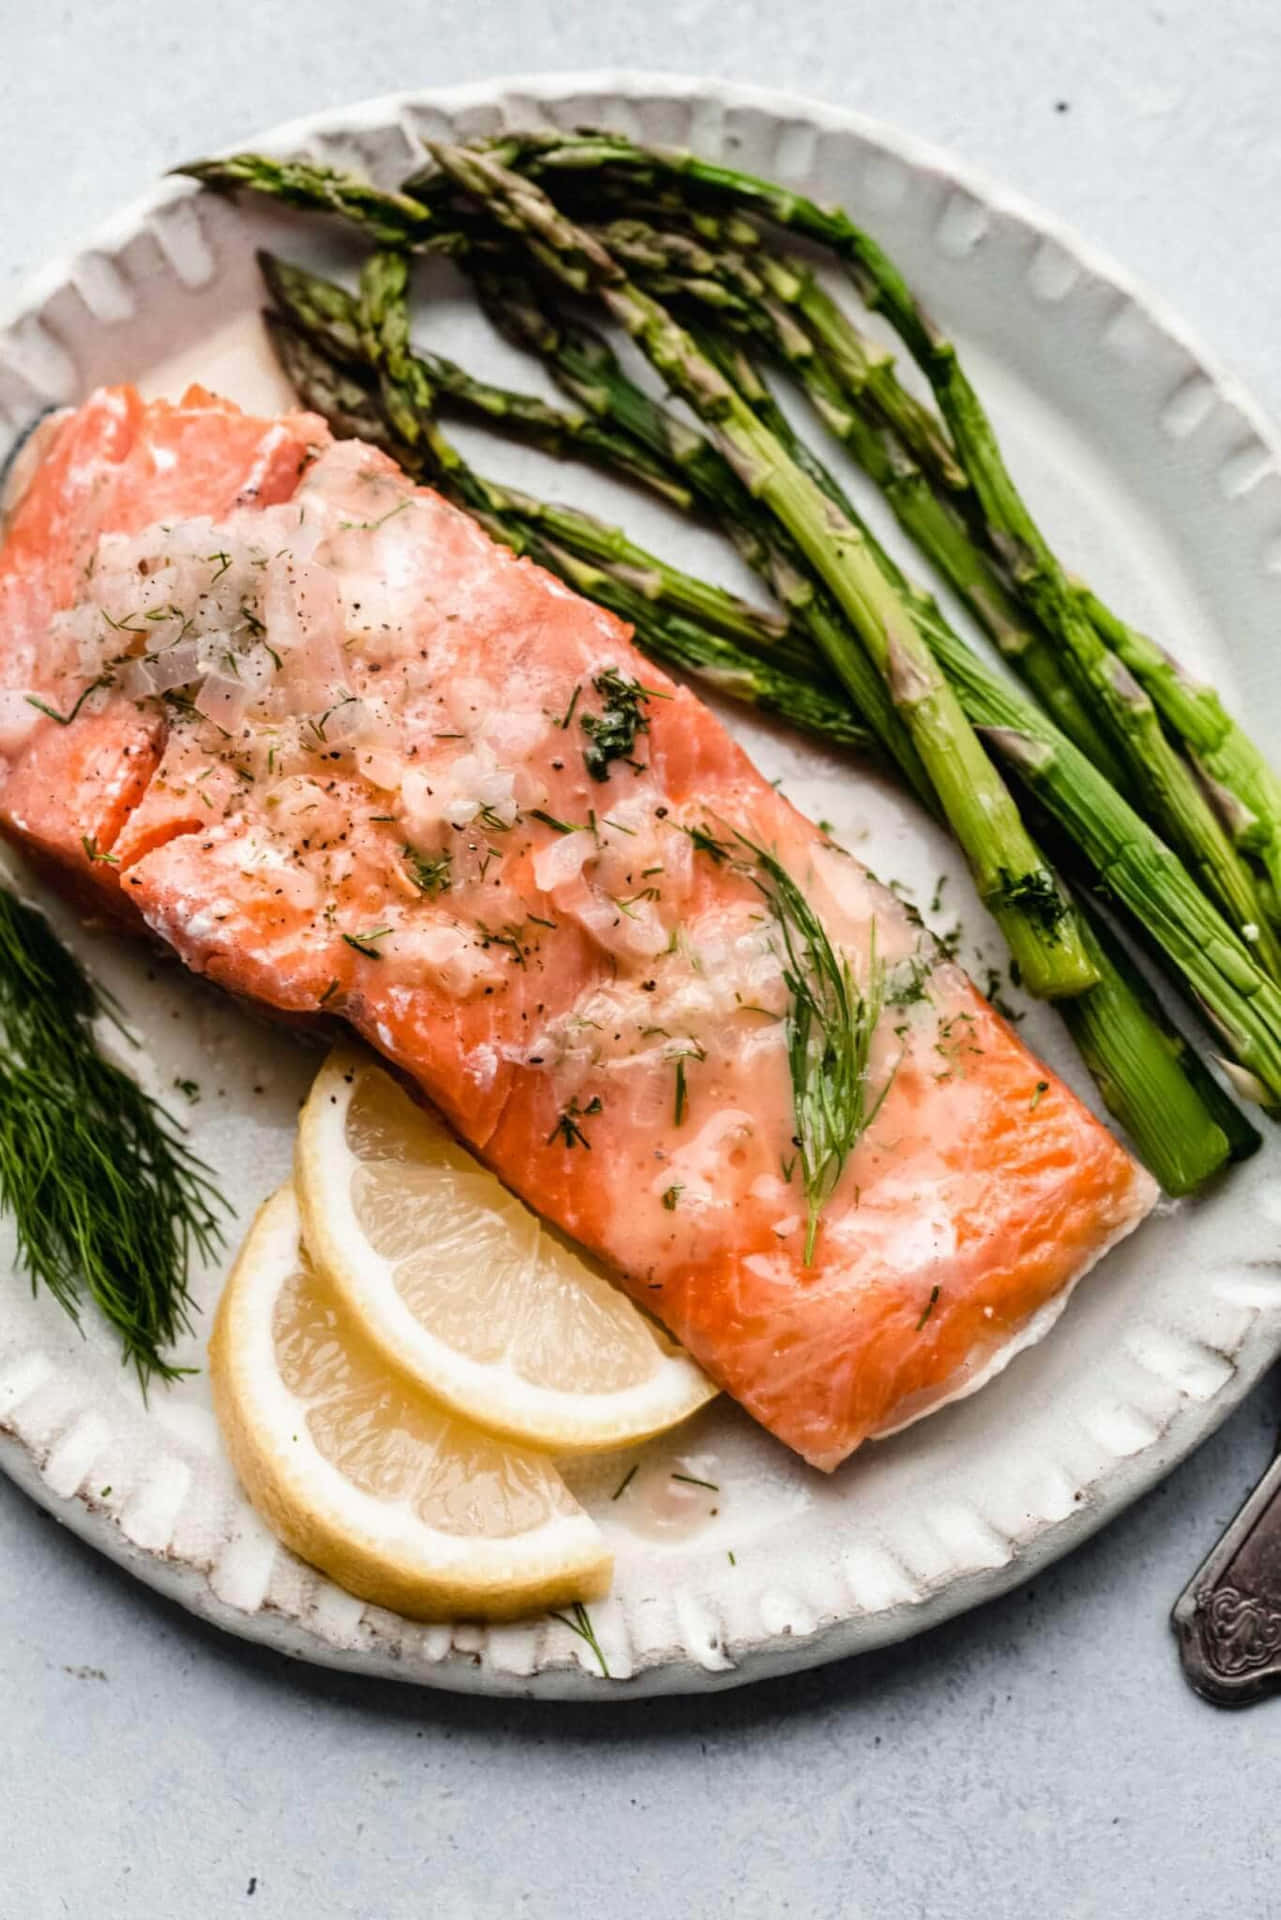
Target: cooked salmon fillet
column 347, row 756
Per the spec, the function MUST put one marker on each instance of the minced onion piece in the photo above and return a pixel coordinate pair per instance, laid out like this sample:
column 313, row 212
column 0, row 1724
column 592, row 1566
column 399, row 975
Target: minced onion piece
column 345, row 724
column 223, row 700
column 160, row 633
column 256, row 667
column 177, row 666
column 137, row 679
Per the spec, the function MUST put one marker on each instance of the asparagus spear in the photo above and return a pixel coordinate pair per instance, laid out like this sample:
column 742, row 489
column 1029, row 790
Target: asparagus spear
column 1227, row 760
column 680, row 643
column 329, row 311
column 837, row 386
column 1179, row 807
column 1244, row 786
column 1014, row 882
column 390, row 219
column 942, row 536
column 1184, row 1127
column 1179, row 1117
column 330, row 316
column 589, row 372
column 761, row 283
column 1133, row 864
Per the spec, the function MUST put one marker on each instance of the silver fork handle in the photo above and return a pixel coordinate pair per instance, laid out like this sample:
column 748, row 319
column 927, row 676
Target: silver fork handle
column 1228, row 1617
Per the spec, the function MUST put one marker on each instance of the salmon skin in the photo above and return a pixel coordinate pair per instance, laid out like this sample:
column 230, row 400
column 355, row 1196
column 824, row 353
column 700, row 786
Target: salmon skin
column 345, row 755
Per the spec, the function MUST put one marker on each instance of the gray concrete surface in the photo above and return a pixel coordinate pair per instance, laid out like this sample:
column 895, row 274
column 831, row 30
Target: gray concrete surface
column 1041, row 1757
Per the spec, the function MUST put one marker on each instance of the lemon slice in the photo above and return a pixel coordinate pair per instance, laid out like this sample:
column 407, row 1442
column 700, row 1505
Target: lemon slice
column 392, row 1496
column 459, row 1286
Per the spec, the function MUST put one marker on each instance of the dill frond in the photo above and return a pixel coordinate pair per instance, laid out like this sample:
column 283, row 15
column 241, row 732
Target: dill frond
column 107, row 1198
column 830, row 1026
column 580, row 1622
column 611, row 734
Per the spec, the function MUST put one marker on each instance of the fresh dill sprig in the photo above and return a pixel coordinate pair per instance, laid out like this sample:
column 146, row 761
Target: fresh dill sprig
column 430, row 873
column 508, row 937
column 705, row 841
column 682, row 1093
column 611, row 734
column 364, row 942
column 690, row 1051
column 625, row 1482
column 567, row 1127
column 65, row 719
column 830, row 1025
column 580, row 1622
column 107, row 1198
column 550, row 820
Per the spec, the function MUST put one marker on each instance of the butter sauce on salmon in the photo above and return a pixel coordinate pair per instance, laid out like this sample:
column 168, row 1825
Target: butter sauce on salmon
column 345, row 755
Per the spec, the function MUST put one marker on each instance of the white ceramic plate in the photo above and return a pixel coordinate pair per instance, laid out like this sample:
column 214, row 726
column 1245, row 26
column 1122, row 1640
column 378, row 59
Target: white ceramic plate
column 1160, row 480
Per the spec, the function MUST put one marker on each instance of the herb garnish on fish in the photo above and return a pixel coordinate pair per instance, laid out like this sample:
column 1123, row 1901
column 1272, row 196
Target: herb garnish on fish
column 830, row 1024
column 65, row 719
column 429, row 873
column 567, row 1127
column 611, row 734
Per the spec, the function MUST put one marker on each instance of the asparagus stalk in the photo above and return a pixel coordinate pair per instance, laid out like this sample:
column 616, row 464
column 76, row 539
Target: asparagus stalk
column 1184, row 1127
column 838, row 393
column 866, row 371
column 942, row 536
column 1122, row 1090
column 1133, row 864
column 587, row 368
column 1171, row 794
column 765, row 286
column 676, row 642
column 935, row 526
column 1244, row 786
column 328, row 311
column 390, row 219
column 1183, row 1124
column 1014, row 882
column 1181, row 1121
column 1130, row 861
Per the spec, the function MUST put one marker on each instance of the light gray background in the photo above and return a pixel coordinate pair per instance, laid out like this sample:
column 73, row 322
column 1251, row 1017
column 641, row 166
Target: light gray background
column 1041, row 1757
